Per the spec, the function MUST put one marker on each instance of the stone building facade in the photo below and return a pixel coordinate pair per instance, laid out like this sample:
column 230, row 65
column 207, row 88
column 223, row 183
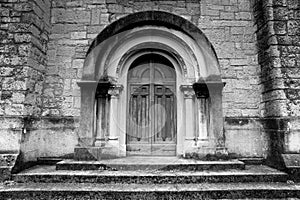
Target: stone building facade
column 56, row 55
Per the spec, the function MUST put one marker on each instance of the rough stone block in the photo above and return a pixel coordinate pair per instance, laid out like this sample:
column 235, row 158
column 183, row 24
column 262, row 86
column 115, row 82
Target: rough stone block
column 244, row 5
column 280, row 27
column 96, row 13
column 78, row 63
column 22, row 37
column 242, row 62
column 226, row 15
column 5, row 173
column 78, row 35
column 213, row 13
column 292, row 26
column 243, row 16
column 115, row 8
column 71, row 16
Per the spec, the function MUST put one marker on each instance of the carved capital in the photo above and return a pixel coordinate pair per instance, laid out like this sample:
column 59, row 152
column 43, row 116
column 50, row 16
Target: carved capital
column 187, row 90
column 115, row 90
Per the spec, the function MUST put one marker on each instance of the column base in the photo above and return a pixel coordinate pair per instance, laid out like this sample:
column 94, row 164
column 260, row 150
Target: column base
column 109, row 150
column 204, row 149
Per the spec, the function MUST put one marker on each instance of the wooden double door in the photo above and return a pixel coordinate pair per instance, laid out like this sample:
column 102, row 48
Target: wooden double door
column 151, row 115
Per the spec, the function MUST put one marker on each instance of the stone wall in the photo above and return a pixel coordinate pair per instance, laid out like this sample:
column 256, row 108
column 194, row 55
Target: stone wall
column 278, row 38
column 229, row 25
column 39, row 92
column 24, row 31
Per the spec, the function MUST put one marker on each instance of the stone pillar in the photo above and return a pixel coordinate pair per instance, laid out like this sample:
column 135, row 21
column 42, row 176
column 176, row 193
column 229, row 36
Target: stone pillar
column 86, row 129
column 202, row 95
column 114, row 93
column 102, row 114
column 189, row 116
column 92, row 144
column 217, row 122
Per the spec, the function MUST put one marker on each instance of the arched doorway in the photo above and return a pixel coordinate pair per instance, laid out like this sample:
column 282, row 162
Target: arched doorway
column 117, row 55
column 151, row 113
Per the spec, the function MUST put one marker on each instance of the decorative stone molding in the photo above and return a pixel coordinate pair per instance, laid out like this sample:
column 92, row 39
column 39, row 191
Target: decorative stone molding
column 115, row 91
column 187, row 90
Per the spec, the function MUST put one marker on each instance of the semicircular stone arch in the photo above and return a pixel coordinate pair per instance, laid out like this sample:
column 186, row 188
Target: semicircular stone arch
column 105, row 89
column 175, row 27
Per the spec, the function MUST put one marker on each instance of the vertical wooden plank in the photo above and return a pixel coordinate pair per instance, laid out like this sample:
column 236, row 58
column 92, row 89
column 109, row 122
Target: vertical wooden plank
column 132, row 120
column 143, row 118
column 159, row 131
column 134, row 117
column 173, row 122
column 163, row 114
column 146, row 118
column 168, row 111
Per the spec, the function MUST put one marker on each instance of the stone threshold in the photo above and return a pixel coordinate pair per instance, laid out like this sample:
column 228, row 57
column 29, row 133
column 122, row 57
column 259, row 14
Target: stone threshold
column 149, row 163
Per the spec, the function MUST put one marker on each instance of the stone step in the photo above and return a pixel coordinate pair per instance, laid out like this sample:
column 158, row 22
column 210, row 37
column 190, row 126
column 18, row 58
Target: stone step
column 48, row 160
column 7, row 161
column 149, row 191
column 252, row 161
column 48, row 174
column 150, row 163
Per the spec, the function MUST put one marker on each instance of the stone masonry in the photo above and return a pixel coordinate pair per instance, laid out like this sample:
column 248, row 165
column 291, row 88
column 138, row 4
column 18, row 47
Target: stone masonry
column 229, row 25
column 43, row 44
column 279, row 51
column 24, row 33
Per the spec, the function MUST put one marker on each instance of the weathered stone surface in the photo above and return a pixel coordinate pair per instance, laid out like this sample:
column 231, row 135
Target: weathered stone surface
column 151, row 191
column 258, row 52
column 70, row 16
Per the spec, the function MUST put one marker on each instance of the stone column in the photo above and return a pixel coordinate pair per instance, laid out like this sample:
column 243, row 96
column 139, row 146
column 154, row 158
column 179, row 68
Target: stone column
column 114, row 93
column 202, row 95
column 87, row 129
column 217, row 121
column 103, row 113
column 189, row 116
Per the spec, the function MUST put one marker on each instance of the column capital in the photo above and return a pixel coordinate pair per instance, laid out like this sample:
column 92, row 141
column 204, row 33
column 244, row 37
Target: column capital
column 115, row 90
column 187, row 90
